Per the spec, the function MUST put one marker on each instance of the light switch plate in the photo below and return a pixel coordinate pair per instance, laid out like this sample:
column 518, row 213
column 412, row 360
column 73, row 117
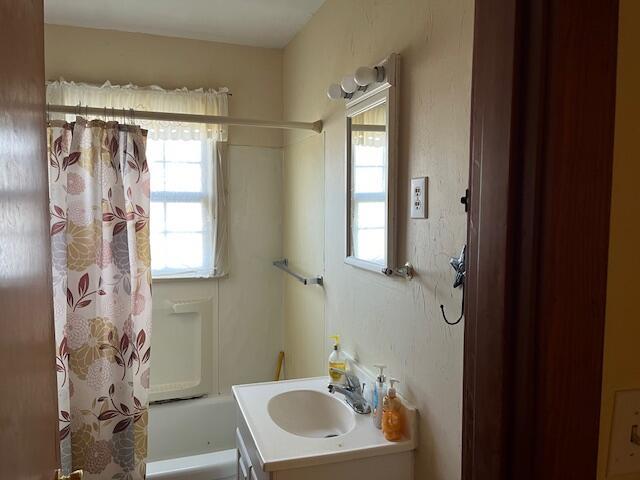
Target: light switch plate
column 624, row 454
column 419, row 196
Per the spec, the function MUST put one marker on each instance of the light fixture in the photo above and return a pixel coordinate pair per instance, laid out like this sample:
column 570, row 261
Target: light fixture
column 367, row 75
column 335, row 92
column 348, row 84
column 355, row 85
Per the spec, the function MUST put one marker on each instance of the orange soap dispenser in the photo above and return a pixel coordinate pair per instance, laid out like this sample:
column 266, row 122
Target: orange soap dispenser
column 392, row 414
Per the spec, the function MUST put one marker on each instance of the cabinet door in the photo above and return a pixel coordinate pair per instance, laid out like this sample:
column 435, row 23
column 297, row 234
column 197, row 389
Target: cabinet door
column 248, row 450
column 244, row 462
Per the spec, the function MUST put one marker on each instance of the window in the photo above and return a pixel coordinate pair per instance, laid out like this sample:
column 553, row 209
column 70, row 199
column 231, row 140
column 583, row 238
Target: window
column 182, row 202
column 186, row 161
column 369, row 203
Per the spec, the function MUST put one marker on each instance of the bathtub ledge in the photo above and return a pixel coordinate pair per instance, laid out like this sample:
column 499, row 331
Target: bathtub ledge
column 206, row 466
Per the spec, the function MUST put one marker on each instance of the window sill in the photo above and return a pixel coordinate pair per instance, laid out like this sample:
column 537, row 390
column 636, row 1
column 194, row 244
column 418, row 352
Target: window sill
column 178, row 278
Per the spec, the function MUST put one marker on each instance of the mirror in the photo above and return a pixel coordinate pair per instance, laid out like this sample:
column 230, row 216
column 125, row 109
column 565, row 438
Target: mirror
column 371, row 181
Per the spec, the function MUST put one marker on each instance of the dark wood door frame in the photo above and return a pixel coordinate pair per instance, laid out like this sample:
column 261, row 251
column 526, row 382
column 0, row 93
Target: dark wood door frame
column 543, row 101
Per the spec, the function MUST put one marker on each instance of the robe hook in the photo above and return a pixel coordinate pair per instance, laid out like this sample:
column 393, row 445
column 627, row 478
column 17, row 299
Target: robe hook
column 458, row 265
column 455, row 322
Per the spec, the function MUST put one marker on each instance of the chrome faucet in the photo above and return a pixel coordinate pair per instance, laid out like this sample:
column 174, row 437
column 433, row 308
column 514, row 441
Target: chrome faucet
column 352, row 392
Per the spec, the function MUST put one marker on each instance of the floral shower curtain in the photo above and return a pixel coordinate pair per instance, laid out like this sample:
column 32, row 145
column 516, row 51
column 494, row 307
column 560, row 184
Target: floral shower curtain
column 99, row 205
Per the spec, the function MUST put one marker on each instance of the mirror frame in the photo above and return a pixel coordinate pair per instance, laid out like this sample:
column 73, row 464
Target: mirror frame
column 384, row 92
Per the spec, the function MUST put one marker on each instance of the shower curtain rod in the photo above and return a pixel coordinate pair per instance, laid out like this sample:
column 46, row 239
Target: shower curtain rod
column 187, row 117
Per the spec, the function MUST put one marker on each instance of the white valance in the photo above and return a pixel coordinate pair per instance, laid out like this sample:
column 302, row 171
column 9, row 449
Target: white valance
column 369, row 128
column 151, row 98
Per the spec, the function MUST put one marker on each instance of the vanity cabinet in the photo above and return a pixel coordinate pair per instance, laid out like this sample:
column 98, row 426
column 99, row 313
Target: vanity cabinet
column 267, row 452
column 397, row 466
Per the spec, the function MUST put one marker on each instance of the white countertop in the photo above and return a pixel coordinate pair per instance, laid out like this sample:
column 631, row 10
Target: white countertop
column 279, row 449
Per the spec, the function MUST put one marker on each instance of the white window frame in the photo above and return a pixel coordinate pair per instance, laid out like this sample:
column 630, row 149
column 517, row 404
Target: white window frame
column 206, row 197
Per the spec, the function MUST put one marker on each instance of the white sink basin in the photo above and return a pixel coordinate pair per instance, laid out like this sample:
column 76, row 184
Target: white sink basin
column 310, row 413
column 298, row 423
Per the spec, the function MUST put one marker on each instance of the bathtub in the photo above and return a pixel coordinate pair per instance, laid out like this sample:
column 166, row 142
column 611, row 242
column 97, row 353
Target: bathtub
column 192, row 440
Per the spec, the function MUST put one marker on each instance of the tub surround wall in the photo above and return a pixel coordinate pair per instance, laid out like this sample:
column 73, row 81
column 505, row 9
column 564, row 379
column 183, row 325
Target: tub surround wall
column 303, row 244
column 250, row 297
column 388, row 320
column 247, row 329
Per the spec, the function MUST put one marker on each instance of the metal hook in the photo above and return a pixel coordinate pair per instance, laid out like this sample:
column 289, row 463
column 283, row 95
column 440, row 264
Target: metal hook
column 444, row 315
column 458, row 265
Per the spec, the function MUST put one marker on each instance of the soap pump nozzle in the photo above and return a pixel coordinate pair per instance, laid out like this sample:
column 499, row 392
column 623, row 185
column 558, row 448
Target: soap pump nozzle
column 336, row 341
column 392, row 389
column 380, row 367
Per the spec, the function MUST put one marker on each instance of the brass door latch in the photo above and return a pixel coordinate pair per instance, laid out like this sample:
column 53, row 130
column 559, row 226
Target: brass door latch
column 77, row 475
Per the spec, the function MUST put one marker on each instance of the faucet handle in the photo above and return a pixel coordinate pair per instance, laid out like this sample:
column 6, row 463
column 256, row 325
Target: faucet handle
column 352, row 380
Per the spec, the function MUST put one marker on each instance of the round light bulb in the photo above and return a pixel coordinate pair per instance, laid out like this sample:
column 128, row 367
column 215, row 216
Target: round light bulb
column 349, row 85
column 334, row 92
column 367, row 75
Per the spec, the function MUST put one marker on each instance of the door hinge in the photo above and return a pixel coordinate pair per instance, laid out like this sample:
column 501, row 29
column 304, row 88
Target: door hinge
column 77, row 475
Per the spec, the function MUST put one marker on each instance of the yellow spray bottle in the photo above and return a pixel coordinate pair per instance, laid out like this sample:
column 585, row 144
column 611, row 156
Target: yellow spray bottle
column 337, row 361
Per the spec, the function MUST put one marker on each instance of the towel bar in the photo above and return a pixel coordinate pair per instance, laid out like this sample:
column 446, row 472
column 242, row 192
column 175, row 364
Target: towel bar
column 283, row 265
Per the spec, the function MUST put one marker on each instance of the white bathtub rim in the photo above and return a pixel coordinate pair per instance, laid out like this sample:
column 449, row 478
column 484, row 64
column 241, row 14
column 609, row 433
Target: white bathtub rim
column 205, row 466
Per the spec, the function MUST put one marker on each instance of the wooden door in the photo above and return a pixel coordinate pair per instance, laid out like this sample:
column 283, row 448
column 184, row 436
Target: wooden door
column 543, row 101
column 28, row 399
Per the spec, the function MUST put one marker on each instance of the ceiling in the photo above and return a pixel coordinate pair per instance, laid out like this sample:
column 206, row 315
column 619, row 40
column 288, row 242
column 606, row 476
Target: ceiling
column 259, row 23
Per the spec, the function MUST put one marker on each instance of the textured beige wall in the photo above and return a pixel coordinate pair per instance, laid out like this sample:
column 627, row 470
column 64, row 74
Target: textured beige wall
column 303, row 245
column 387, row 320
column 253, row 75
column 622, row 328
